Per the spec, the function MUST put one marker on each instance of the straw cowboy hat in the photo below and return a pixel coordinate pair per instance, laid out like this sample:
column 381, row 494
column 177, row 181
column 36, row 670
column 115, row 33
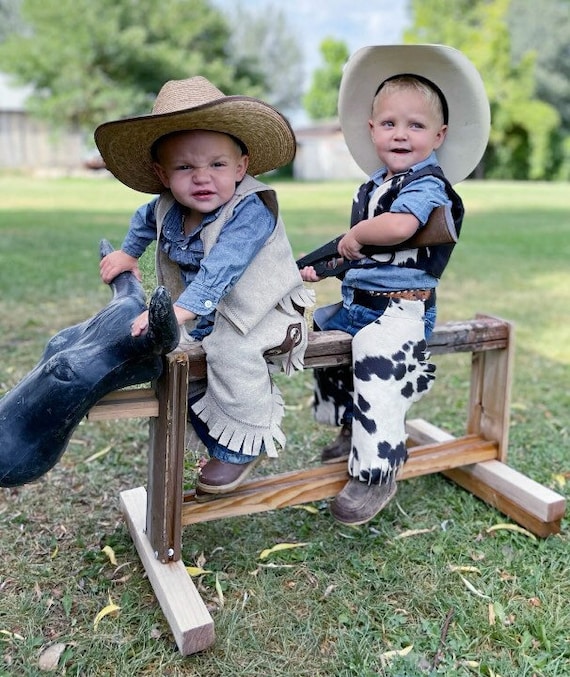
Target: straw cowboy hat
column 194, row 103
column 453, row 74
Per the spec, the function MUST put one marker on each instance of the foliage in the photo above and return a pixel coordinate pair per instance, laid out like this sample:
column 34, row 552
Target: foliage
column 353, row 601
column 525, row 130
column 91, row 60
column 267, row 45
column 10, row 18
column 321, row 99
column 544, row 29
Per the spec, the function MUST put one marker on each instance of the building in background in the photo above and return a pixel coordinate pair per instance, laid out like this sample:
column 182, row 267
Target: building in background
column 322, row 154
column 28, row 144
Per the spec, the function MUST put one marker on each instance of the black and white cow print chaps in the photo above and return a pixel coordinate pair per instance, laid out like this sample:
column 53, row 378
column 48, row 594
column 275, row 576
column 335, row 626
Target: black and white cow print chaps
column 390, row 371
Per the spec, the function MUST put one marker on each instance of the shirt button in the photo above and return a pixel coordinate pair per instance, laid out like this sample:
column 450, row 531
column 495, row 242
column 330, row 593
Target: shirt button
column 208, row 304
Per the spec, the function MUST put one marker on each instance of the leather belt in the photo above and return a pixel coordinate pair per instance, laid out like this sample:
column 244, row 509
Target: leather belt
column 379, row 300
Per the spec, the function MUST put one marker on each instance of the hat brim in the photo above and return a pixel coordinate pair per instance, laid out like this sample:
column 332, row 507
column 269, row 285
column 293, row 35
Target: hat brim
column 469, row 112
column 125, row 145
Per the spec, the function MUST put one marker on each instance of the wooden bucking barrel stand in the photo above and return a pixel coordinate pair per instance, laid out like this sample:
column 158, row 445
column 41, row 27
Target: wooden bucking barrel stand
column 477, row 461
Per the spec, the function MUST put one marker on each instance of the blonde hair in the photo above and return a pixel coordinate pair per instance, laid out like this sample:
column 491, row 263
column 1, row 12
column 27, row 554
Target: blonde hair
column 407, row 83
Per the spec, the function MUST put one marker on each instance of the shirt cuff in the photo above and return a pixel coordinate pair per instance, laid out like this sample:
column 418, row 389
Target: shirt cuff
column 198, row 300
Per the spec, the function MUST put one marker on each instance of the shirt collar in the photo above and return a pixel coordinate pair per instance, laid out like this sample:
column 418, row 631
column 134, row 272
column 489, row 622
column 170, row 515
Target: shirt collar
column 380, row 174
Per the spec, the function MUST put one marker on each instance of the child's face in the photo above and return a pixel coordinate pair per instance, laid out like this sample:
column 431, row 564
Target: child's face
column 405, row 129
column 201, row 168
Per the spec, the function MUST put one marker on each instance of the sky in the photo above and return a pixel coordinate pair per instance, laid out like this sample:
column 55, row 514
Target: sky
column 359, row 23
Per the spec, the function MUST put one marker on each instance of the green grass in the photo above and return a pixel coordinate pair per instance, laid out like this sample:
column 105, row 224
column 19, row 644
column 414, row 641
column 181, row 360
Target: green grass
column 337, row 605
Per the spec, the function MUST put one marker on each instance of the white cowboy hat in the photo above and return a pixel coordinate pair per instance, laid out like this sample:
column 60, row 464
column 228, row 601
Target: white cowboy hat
column 195, row 103
column 447, row 68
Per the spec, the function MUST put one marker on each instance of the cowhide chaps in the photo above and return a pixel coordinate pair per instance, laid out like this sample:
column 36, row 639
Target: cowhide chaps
column 390, row 371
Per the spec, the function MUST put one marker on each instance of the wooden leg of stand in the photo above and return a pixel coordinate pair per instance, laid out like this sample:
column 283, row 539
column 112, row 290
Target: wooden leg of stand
column 166, row 460
column 490, row 396
column 186, row 613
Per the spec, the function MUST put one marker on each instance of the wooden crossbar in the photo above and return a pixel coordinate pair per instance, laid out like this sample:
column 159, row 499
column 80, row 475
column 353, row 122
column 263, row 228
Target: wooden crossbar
column 315, row 484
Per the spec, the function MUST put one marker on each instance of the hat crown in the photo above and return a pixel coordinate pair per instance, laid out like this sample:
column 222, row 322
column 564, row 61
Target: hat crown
column 178, row 95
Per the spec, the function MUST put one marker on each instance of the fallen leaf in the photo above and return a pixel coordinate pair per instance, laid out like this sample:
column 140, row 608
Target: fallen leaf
column 108, row 550
column 11, row 635
column 491, row 615
column 49, row 658
column 472, row 588
column 98, row 454
column 511, row 527
column 307, row 508
column 465, row 569
column 328, row 590
column 413, row 532
column 197, row 571
column 280, row 546
column 560, row 480
column 219, row 591
column 105, row 611
column 388, row 655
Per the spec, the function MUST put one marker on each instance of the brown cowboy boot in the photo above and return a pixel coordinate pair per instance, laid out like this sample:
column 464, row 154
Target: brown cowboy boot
column 359, row 502
column 339, row 449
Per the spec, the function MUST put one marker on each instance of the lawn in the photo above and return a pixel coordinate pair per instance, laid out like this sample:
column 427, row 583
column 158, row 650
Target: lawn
column 423, row 589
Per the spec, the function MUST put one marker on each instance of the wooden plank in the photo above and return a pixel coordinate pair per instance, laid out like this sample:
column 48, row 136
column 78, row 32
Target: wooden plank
column 332, row 348
column 184, row 609
column 166, row 459
column 529, row 503
column 481, row 333
column 128, row 403
column 550, row 505
column 315, row 484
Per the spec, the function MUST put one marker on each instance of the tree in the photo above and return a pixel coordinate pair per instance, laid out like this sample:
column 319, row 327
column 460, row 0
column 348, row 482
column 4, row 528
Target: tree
column 320, row 101
column 91, row 60
column 268, row 47
column 10, row 18
column 544, row 28
column 524, row 128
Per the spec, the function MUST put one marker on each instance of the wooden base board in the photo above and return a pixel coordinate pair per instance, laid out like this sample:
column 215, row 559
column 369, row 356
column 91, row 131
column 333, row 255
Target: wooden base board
column 186, row 613
column 530, row 504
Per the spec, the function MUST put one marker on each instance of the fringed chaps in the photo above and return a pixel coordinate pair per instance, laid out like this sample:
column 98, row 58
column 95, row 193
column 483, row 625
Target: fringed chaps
column 242, row 407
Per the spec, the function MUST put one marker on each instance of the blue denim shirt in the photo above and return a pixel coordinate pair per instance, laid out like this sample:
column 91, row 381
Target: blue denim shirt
column 418, row 198
column 206, row 278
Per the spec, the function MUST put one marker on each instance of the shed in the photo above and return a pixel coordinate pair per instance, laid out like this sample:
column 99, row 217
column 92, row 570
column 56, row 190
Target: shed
column 322, row 154
column 29, row 144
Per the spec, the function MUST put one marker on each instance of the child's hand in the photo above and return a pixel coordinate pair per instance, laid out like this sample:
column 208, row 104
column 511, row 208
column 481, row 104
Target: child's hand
column 308, row 274
column 118, row 262
column 349, row 247
column 140, row 325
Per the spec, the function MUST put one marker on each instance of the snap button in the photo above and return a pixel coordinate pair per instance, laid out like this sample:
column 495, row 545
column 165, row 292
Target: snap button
column 208, row 304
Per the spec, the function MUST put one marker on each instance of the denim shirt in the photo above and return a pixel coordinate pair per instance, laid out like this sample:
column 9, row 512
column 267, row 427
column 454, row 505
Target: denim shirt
column 207, row 279
column 418, row 198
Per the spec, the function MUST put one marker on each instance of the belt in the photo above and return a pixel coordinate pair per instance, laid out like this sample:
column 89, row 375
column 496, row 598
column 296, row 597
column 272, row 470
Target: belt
column 379, row 300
